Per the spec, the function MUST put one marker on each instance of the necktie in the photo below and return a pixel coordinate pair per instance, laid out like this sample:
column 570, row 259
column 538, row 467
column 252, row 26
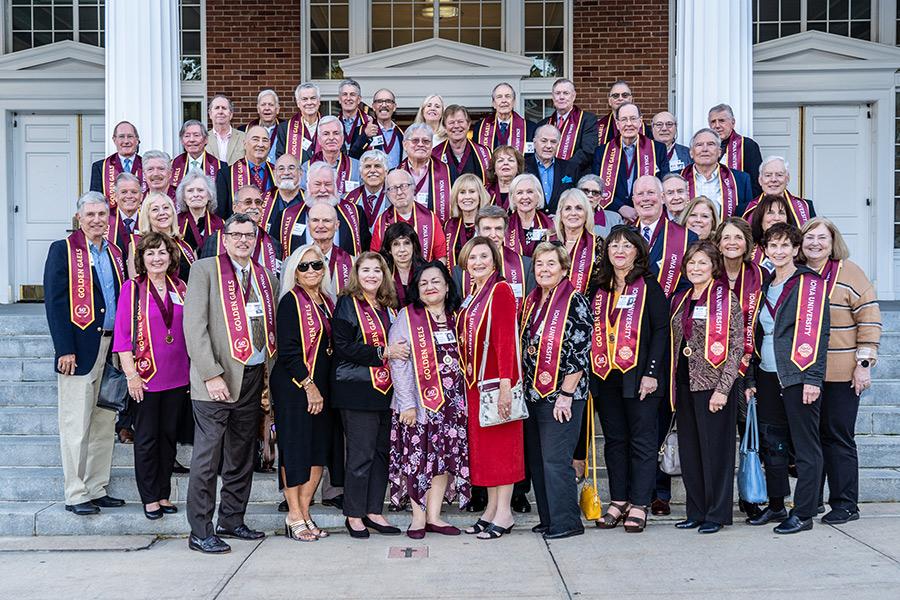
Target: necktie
column 127, row 165
column 504, row 127
column 195, row 164
column 646, row 233
column 256, row 326
column 129, row 225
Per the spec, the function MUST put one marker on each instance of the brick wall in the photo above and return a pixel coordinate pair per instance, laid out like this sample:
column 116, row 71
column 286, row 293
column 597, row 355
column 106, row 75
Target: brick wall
column 621, row 39
column 251, row 45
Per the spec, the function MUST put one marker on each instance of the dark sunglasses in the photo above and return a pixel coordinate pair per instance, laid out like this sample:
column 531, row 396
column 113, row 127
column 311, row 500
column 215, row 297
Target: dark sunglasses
column 316, row 265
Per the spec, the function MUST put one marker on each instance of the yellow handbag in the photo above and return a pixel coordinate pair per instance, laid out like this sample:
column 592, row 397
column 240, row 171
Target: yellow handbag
column 589, row 501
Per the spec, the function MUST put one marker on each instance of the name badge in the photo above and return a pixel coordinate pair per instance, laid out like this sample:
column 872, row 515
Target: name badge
column 529, row 147
column 176, row 299
column 254, row 309
column 700, row 312
column 306, row 143
column 278, row 264
column 299, row 229
column 422, row 198
column 768, row 265
column 676, row 164
column 378, row 140
column 350, row 185
column 626, row 302
column 516, row 289
column 444, row 337
column 466, row 302
column 536, row 235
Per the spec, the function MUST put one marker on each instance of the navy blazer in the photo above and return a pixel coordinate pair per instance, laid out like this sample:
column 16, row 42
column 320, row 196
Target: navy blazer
column 281, row 143
column 656, row 254
column 682, row 153
column 585, row 143
column 67, row 337
column 562, row 170
column 622, row 197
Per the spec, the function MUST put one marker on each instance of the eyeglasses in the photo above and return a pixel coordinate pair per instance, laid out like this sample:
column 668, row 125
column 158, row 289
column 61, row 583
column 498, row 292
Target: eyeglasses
column 315, row 265
column 591, row 192
column 664, row 124
column 630, row 119
column 616, row 95
column 420, row 141
column 385, row 101
column 237, row 236
column 402, row 187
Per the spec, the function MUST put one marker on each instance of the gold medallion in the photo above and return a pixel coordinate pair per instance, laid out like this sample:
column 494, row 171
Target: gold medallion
column 687, row 351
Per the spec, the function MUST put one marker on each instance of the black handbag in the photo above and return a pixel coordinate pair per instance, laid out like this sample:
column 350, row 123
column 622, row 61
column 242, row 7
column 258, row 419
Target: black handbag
column 114, row 385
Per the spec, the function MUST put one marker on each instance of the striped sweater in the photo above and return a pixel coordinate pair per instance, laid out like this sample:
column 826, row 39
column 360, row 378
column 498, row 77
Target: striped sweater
column 855, row 323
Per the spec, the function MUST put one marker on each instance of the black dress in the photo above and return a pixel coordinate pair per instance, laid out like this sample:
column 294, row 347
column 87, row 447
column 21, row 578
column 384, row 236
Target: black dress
column 304, row 440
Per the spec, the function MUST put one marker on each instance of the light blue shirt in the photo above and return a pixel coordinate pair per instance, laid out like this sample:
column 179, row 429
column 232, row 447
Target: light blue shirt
column 546, row 174
column 767, row 348
column 259, row 354
column 396, row 153
column 629, row 157
column 103, row 266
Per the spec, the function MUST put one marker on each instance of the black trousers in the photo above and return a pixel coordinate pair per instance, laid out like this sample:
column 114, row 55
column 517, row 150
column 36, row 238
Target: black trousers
column 784, row 421
column 368, row 446
column 549, row 445
column 155, row 426
column 225, row 434
column 837, row 430
column 706, row 449
column 630, row 433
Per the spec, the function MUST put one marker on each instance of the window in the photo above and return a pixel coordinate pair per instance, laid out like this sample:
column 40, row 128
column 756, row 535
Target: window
column 537, row 109
column 545, row 37
column 399, row 22
column 193, row 109
column 191, row 41
column 774, row 19
column 329, row 38
column 34, row 23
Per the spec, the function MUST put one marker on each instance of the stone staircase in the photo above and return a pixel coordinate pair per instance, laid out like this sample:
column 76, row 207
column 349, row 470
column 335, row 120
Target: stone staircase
column 31, row 479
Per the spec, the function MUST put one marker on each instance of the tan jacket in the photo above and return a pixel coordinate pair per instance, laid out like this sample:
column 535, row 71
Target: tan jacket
column 235, row 145
column 855, row 323
column 206, row 334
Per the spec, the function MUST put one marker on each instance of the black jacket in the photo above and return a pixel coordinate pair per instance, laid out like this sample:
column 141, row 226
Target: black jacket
column 565, row 176
column 351, row 380
column 622, row 197
column 585, row 143
column 752, row 163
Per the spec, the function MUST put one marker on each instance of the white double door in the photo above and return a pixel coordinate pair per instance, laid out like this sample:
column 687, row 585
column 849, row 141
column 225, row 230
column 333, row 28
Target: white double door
column 829, row 149
column 52, row 168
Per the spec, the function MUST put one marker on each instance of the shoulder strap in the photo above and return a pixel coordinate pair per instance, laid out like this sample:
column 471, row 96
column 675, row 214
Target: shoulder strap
column 487, row 337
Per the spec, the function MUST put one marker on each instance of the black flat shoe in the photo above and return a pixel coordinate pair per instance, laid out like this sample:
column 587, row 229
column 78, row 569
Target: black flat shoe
column 382, row 529
column 709, row 527
column 476, row 505
column 563, row 534
column 211, row 545
column 82, row 509
column 336, row 502
column 793, row 524
column 520, row 504
column 820, row 509
column 359, row 534
column 688, row 524
column 241, row 532
column 283, row 506
column 540, row 528
column 169, row 510
column 839, row 516
column 767, row 516
column 154, row 514
column 108, row 502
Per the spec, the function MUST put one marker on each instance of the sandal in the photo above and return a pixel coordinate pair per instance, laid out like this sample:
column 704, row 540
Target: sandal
column 608, row 521
column 316, row 530
column 637, row 523
column 479, row 526
column 495, row 532
column 298, row 531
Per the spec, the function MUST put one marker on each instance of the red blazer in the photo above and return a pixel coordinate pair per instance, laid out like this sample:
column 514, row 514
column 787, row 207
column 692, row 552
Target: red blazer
column 502, row 359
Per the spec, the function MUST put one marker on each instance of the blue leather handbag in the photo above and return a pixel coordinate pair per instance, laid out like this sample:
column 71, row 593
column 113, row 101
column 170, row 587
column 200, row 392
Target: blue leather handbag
column 751, row 480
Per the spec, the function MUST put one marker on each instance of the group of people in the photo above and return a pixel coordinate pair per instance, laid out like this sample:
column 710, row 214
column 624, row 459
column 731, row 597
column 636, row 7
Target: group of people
column 428, row 312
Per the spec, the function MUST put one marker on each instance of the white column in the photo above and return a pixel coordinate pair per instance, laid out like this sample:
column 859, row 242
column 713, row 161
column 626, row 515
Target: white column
column 714, row 63
column 143, row 80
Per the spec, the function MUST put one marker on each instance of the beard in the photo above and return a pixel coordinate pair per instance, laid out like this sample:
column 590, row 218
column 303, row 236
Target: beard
column 287, row 185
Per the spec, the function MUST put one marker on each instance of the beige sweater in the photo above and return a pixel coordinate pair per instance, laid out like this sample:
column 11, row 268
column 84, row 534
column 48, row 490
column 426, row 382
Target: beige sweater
column 855, row 323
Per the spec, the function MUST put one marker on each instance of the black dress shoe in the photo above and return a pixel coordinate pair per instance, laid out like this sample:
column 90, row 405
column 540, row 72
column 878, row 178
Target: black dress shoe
column 180, row 468
column 709, row 527
column 520, row 504
column 241, row 532
column 282, row 506
column 359, row 534
column 750, row 509
column 336, row 502
column 820, row 509
column 153, row 515
column 211, row 545
column 108, row 502
column 768, row 516
column 794, row 524
column 563, row 534
column 660, row 507
column 169, row 510
column 540, row 528
column 382, row 529
column 82, row 509
column 689, row 524
column 839, row 516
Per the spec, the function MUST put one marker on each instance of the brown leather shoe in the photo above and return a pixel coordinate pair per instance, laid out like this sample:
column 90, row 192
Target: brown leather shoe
column 660, row 507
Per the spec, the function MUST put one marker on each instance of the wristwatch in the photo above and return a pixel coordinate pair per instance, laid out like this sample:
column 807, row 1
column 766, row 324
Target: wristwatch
column 864, row 363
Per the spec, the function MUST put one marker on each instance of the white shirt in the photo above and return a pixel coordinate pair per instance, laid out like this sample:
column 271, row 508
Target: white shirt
column 122, row 160
column 223, row 143
column 711, row 188
column 259, row 354
column 650, row 226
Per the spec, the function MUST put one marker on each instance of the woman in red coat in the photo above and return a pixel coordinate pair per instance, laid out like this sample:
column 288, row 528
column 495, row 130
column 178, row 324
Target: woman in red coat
column 487, row 333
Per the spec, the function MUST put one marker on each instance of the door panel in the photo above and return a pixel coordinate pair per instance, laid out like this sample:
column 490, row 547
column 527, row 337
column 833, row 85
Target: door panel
column 777, row 131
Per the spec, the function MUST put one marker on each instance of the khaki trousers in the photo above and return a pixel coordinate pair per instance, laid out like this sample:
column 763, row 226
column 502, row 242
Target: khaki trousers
column 86, row 433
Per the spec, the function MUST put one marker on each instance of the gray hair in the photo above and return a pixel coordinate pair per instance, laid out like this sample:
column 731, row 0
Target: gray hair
column 519, row 180
column 326, row 120
column 492, row 211
column 721, row 108
column 267, row 92
column 306, row 86
column 192, row 123
column 157, row 155
column 409, row 176
column 321, row 166
column 345, row 82
column 702, row 131
column 773, row 158
column 191, row 176
column 561, row 81
column 418, row 127
column 537, row 131
column 501, row 84
column 388, row 90
column 236, row 219
column 126, row 176
column 376, row 155
column 677, row 176
column 590, row 177
column 225, row 98
column 91, row 198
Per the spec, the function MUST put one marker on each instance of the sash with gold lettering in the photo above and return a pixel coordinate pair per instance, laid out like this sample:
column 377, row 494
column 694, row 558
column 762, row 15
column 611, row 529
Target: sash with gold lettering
column 360, row 120
column 374, row 333
column 548, row 324
column 734, row 151
column 811, row 299
column 81, row 278
column 351, row 216
column 675, row 240
column 342, row 170
column 424, row 358
column 144, row 358
column 616, row 335
column 798, row 206
column 606, row 129
column 748, row 289
column 468, row 323
column 645, row 158
column 372, row 209
column 515, row 235
column 211, row 224
column 117, row 233
column 314, row 323
column 444, row 153
column 264, row 253
column 830, row 273
column 583, row 256
column 186, row 251
column 513, row 273
column 340, row 264
column 111, row 169
column 439, row 178
column 421, row 220
column 457, row 233
column 180, row 163
column 489, row 134
column 241, row 176
column 234, row 307
column 289, row 219
column 297, row 132
column 569, row 130
column 727, row 183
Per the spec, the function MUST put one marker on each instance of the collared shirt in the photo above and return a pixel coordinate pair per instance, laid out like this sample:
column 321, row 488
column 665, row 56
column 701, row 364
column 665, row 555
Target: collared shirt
column 546, row 174
column 396, row 153
column 103, row 266
column 223, row 143
column 130, row 163
column 133, row 218
column 370, row 198
column 259, row 354
column 629, row 160
column 195, row 163
column 711, row 188
column 646, row 230
column 272, row 144
column 307, row 236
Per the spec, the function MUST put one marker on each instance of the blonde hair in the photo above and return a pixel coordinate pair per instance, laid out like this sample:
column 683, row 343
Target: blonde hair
column 519, row 180
column 472, row 181
column 440, row 132
column 712, row 209
column 578, row 196
column 288, row 270
column 839, row 249
column 144, row 214
column 386, row 294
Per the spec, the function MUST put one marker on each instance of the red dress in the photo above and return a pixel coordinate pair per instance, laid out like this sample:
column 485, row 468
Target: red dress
column 497, row 454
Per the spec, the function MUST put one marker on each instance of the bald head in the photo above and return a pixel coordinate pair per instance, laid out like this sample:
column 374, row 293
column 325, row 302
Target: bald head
column 322, row 221
column 665, row 128
column 287, row 172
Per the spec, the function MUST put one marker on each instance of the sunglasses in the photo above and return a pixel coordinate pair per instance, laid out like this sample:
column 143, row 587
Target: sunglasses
column 316, row 265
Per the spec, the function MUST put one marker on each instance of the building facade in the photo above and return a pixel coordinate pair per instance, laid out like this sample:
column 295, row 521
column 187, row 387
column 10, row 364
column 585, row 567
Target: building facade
column 813, row 80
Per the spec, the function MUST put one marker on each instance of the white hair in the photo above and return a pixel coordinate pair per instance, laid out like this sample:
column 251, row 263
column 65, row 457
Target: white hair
column 773, row 158
column 418, row 127
column 376, row 155
column 519, row 180
column 288, row 281
column 327, row 119
column 306, row 86
column 191, row 176
column 91, row 198
column 267, row 92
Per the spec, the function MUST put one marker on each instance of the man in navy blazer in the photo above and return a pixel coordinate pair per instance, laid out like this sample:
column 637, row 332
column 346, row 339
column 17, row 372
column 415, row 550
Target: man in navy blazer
column 82, row 277
column 729, row 189
column 555, row 174
column 578, row 128
column 629, row 155
column 665, row 129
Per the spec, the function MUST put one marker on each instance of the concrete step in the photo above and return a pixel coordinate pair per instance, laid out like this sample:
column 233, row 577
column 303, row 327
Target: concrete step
column 28, row 420
column 878, row 451
column 878, row 420
column 26, row 346
column 43, row 451
column 32, row 322
column 884, row 392
column 28, row 393
column 27, row 369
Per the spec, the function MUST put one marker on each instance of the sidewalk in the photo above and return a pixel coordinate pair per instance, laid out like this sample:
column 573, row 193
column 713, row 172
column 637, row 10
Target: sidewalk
column 860, row 560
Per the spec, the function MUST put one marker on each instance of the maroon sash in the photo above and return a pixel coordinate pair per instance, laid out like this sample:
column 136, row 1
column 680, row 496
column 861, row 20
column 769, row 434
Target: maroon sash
column 645, row 156
column 117, row 233
column 371, row 209
column 439, row 177
column 186, row 251
column 830, row 273
column 457, row 236
column 422, row 221
column 615, row 342
column 313, row 323
column 515, row 235
column 295, row 134
column 374, row 333
column 144, row 358
column 241, row 176
column 112, row 168
column 342, row 170
column 468, row 323
column 606, row 129
column 549, row 324
column 289, row 219
column 483, row 155
column 583, row 258
column 264, row 253
column 340, row 264
column 424, row 355
column 489, row 135
column 811, row 299
column 798, row 207
column 234, row 308
column 179, row 167
column 493, row 190
column 81, row 277
column 569, row 130
column 351, row 216
column 675, row 239
column 748, row 289
column 727, row 183
column 734, row 151
column 212, row 224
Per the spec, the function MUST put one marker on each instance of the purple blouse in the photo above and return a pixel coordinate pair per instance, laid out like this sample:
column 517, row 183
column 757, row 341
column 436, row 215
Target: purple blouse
column 172, row 366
